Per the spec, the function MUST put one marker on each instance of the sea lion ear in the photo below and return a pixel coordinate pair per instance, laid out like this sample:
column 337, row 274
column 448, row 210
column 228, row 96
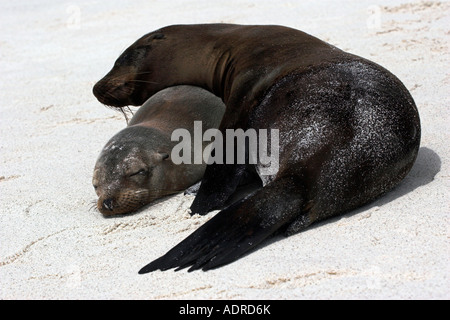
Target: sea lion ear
column 156, row 36
column 162, row 156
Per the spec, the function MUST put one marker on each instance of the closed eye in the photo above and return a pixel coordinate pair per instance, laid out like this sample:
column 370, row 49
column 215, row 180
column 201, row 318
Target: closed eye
column 141, row 172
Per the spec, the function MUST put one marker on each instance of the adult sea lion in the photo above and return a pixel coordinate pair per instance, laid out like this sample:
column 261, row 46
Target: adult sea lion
column 135, row 167
column 349, row 129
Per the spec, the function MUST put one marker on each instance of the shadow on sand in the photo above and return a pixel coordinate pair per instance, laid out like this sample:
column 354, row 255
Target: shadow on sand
column 427, row 165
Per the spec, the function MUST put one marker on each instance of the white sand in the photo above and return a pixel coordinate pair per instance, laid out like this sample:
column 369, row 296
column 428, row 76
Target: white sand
column 52, row 129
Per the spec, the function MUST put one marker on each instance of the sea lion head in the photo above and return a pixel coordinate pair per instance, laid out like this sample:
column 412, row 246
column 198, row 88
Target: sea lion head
column 130, row 172
column 131, row 80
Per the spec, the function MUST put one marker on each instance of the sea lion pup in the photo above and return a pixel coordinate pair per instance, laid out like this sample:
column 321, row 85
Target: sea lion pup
column 135, row 166
column 349, row 130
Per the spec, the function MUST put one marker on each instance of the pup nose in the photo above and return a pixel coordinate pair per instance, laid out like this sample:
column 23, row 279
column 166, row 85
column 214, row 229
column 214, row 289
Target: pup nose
column 108, row 204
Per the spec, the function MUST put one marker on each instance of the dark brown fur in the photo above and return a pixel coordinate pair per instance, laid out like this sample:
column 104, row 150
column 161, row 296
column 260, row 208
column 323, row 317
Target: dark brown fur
column 349, row 129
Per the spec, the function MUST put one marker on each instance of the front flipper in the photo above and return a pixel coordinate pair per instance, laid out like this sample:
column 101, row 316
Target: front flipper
column 193, row 190
column 235, row 230
column 218, row 184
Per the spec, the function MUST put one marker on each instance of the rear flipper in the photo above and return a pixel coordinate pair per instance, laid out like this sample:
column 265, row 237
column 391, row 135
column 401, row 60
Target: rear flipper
column 235, row 230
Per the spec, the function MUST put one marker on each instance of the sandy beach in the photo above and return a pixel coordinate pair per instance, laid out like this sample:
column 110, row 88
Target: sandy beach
column 54, row 246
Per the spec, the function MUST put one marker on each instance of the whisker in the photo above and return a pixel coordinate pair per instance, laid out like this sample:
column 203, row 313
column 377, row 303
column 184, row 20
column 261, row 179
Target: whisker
column 139, row 73
column 111, row 95
column 124, row 111
column 135, row 73
column 169, row 190
column 143, row 81
column 120, row 77
column 93, row 206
